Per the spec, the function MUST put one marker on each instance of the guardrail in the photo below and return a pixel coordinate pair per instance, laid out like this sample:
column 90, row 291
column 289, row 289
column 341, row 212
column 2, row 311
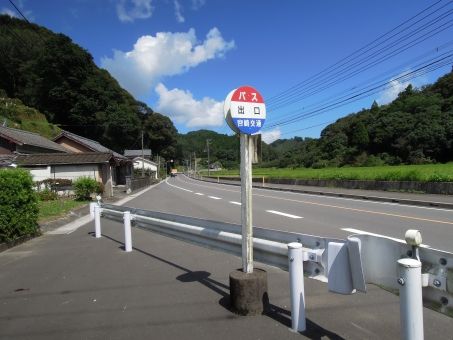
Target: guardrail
column 346, row 265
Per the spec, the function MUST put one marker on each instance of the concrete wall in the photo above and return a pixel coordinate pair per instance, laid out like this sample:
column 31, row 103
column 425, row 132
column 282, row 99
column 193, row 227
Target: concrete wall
column 71, row 172
column 444, row 188
column 40, row 173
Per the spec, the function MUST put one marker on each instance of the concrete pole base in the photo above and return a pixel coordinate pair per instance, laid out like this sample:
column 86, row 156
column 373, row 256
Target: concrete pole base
column 248, row 292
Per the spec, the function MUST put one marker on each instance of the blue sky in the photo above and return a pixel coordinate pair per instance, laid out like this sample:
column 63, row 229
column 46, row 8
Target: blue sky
column 182, row 57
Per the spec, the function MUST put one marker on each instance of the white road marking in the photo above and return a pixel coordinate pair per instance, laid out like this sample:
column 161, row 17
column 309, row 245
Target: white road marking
column 283, row 214
column 199, row 194
column 320, row 196
column 175, row 186
column 214, row 197
column 363, row 232
column 237, row 203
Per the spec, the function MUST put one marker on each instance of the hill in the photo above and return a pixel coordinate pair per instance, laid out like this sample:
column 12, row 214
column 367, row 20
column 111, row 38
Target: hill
column 416, row 128
column 47, row 71
column 15, row 114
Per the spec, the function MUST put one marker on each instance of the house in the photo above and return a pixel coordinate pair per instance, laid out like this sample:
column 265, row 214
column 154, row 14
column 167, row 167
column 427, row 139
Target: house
column 121, row 166
column 146, row 165
column 131, row 154
column 96, row 165
column 24, row 142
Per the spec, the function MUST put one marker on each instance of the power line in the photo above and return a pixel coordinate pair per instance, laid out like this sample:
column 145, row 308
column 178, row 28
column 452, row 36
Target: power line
column 385, row 80
column 18, row 11
column 368, row 63
column 366, row 93
column 345, row 60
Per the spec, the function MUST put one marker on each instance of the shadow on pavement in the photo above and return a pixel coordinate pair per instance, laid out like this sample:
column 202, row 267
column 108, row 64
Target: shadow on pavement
column 283, row 316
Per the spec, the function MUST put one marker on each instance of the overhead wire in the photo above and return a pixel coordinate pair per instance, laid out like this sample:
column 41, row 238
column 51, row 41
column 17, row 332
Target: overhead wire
column 369, row 63
column 354, row 55
column 447, row 60
column 392, row 77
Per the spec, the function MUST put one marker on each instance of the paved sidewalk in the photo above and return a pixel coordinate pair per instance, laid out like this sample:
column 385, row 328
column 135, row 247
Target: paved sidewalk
column 78, row 287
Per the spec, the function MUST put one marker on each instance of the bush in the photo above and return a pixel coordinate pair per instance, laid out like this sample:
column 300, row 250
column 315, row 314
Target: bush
column 84, row 187
column 18, row 205
column 47, row 195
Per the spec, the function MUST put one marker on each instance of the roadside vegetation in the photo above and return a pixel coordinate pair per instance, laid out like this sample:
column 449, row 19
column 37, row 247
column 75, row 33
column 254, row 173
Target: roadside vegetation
column 49, row 210
column 420, row 173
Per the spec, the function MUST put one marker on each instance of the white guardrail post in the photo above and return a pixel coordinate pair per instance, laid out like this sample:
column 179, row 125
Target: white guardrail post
column 97, row 221
column 411, row 303
column 127, row 231
column 296, row 286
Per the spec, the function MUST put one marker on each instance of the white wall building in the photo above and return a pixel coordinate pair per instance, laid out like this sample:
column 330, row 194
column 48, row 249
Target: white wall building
column 146, row 164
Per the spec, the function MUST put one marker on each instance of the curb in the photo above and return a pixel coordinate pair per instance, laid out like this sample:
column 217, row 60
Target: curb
column 76, row 224
column 419, row 203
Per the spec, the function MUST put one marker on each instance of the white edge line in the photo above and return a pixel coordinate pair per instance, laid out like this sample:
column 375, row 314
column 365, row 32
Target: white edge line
column 363, row 232
column 199, row 194
column 283, row 214
column 175, row 186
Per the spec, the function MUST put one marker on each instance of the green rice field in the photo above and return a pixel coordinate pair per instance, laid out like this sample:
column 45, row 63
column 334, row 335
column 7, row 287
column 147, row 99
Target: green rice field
column 419, row 173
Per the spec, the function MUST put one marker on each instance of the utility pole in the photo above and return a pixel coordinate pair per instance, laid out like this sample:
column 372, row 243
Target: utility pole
column 207, row 146
column 158, row 166
column 143, row 158
column 195, row 160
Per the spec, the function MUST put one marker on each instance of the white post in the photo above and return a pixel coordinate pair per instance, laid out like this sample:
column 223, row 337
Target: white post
column 97, row 220
column 92, row 205
column 296, row 286
column 246, row 206
column 127, row 231
column 411, row 303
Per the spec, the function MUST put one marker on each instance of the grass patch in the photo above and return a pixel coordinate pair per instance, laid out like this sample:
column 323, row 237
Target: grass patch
column 417, row 173
column 49, row 210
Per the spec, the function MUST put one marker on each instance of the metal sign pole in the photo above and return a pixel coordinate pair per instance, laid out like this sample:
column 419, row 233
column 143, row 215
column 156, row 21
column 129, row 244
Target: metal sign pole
column 246, row 204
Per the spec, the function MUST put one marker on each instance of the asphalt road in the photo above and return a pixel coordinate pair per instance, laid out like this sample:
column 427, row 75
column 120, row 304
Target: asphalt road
column 70, row 285
column 304, row 213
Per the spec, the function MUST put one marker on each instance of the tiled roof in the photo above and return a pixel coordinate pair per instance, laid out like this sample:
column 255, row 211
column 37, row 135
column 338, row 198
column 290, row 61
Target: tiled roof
column 137, row 153
column 6, row 160
column 22, row 137
column 63, row 158
column 89, row 143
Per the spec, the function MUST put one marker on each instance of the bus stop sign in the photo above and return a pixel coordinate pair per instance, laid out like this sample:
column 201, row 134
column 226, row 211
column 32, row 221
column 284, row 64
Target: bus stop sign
column 247, row 110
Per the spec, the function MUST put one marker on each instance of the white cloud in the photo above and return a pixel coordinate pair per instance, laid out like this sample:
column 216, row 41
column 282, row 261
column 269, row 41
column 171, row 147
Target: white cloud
column 9, row 12
column 165, row 54
column 183, row 108
column 271, row 135
column 197, row 4
column 390, row 94
column 178, row 12
column 129, row 10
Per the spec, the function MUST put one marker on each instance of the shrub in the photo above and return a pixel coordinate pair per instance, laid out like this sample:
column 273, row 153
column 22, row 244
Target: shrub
column 18, row 205
column 84, row 187
column 47, row 195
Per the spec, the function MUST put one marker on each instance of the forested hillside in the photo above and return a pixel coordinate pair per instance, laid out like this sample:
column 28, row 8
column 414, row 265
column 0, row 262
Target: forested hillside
column 416, row 128
column 47, row 71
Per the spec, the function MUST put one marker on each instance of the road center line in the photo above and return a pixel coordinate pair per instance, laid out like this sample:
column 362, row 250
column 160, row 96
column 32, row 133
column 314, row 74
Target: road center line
column 344, row 208
column 214, row 197
column 199, row 194
column 234, row 202
column 363, row 232
column 283, row 214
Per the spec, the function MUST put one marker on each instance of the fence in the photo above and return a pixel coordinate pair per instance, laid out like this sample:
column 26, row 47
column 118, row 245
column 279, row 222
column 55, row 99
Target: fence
column 133, row 184
column 418, row 273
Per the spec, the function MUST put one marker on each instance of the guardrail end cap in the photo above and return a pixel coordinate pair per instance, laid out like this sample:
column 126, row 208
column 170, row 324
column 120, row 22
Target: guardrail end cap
column 294, row 245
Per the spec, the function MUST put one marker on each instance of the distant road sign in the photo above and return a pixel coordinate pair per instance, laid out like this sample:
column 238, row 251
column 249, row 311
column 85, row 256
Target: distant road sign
column 247, row 111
